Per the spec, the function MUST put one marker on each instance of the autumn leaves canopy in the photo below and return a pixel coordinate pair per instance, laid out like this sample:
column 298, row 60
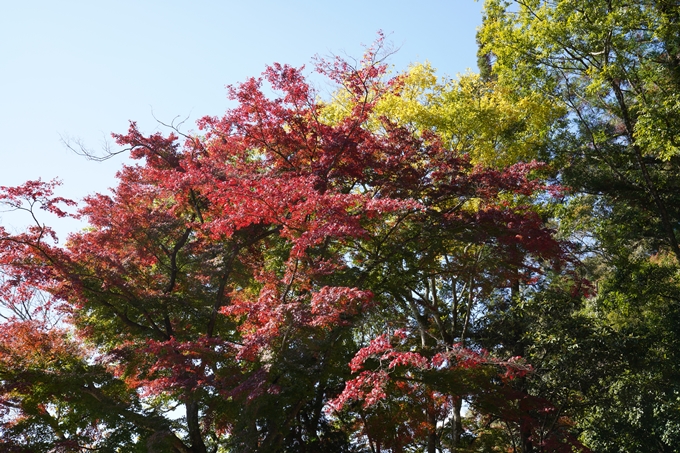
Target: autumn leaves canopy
column 300, row 273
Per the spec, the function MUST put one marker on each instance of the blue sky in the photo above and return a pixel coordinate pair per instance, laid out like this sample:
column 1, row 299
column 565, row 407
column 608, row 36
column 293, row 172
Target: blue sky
column 82, row 69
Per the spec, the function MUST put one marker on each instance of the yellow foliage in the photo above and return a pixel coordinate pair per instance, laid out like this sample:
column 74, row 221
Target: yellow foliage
column 490, row 123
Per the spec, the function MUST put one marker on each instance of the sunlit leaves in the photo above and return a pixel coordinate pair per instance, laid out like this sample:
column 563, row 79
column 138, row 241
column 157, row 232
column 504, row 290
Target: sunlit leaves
column 234, row 274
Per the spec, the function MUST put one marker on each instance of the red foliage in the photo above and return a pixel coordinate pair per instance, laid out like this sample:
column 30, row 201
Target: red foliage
column 392, row 363
column 213, row 254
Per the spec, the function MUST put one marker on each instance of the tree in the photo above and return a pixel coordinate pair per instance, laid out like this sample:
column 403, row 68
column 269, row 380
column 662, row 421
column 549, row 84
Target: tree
column 613, row 66
column 495, row 126
column 457, row 286
column 234, row 275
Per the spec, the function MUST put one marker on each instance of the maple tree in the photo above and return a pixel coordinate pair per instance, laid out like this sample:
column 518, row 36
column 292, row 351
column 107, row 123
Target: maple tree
column 288, row 279
column 453, row 284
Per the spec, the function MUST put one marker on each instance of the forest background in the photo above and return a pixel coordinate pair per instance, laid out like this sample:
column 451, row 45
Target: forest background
column 393, row 261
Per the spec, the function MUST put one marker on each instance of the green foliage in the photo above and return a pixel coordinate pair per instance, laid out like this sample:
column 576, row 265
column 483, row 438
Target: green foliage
column 61, row 401
column 614, row 67
column 403, row 228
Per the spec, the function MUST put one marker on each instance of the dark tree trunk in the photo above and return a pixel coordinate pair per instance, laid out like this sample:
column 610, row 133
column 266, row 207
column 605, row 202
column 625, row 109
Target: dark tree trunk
column 195, row 435
column 432, row 435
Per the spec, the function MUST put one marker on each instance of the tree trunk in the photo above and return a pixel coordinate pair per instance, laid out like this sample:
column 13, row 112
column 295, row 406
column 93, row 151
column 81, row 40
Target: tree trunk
column 527, row 443
column 195, row 436
column 432, row 435
column 456, row 424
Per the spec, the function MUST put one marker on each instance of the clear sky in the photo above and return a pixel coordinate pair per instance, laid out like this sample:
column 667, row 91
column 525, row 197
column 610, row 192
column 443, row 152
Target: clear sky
column 82, row 69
